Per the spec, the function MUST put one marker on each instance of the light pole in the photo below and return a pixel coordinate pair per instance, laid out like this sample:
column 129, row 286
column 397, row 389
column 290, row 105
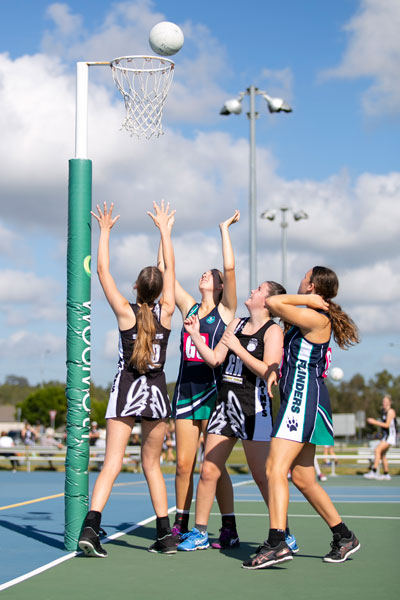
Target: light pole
column 297, row 216
column 234, row 106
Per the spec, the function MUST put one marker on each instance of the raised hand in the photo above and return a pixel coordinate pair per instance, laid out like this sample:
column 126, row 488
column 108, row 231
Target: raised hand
column 192, row 324
column 233, row 219
column 230, row 340
column 316, row 302
column 162, row 218
column 105, row 218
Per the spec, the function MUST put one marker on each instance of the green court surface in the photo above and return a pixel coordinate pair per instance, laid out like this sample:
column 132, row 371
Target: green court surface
column 132, row 572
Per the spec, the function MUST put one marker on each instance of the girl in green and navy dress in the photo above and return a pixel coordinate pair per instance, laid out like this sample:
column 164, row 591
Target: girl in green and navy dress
column 196, row 387
column 304, row 419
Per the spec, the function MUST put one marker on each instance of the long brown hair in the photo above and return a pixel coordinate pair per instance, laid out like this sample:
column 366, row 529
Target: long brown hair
column 149, row 286
column 344, row 329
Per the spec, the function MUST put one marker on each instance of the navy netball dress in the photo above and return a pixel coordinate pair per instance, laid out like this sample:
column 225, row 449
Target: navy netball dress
column 196, row 388
column 305, row 413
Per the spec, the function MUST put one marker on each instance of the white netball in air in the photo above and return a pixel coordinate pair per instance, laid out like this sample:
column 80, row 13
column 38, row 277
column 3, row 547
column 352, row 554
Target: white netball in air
column 166, row 38
column 336, row 374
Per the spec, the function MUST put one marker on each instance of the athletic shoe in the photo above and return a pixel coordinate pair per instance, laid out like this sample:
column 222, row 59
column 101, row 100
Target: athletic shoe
column 165, row 545
column 385, row 477
column 291, row 542
column 89, row 542
column 341, row 548
column 266, row 556
column 195, row 540
column 228, row 539
column 371, row 475
column 322, row 477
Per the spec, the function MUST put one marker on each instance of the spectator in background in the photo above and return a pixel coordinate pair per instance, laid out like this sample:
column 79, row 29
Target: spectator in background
column 7, row 442
column 94, row 433
column 28, row 435
column 48, row 440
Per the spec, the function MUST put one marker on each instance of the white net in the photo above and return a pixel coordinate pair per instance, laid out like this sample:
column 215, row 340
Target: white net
column 144, row 82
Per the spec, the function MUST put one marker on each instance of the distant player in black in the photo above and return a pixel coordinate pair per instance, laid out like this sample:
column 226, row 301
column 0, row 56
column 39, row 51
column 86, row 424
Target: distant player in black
column 389, row 434
column 139, row 388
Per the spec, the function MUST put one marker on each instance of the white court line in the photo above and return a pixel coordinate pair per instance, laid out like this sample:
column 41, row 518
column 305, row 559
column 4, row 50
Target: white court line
column 264, row 515
column 62, row 559
column 299, row 501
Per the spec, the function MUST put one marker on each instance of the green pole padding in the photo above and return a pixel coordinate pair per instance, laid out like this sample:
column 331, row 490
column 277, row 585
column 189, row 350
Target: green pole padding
column 78, row 349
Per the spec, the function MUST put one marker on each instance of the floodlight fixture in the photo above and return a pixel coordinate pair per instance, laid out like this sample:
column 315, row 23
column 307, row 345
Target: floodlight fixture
column 276, row 104
column 270, row 214
column 232, row 106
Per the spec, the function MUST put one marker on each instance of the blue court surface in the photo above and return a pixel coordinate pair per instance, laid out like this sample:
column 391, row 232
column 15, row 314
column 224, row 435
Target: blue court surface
column 32, row 512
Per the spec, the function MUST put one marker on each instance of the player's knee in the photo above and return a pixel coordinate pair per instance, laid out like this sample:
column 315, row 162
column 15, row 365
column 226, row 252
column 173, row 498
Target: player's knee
column 210, row 472
column 183, row 467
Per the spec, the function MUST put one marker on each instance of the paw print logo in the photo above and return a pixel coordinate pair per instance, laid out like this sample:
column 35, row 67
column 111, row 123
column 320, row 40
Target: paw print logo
column 292, row 424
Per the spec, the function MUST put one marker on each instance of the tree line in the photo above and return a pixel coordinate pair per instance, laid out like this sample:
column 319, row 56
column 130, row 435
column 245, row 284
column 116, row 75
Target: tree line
column 33, row 403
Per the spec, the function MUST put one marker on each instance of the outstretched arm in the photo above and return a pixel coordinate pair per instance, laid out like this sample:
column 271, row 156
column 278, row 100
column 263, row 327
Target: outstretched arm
column 228, row 302
column 183, row 299
column 117, row 301
column 160, row 219
column 213, row 358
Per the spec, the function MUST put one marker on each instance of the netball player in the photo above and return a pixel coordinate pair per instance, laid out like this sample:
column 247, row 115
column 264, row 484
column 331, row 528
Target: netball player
column 249, row 350
column 196, row 387
column 139, row 388
column 388, row 425
column 304, row 419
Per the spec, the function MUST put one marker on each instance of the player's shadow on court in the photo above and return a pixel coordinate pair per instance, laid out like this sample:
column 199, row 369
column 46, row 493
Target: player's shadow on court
column 128, row 539
column 35, row 534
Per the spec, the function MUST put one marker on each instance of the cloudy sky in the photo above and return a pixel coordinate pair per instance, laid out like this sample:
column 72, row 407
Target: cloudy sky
column 336, row 157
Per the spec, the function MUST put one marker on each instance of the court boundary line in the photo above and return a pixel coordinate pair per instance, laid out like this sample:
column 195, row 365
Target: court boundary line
column 114, row 536
column 292, row 516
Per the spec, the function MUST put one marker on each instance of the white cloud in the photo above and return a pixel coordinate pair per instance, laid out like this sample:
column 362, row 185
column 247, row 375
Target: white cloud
column 25, row 344
column 373, row 52
column 20, row 287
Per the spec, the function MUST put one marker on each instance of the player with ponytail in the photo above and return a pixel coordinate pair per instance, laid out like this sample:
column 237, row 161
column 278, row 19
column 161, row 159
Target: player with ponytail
column 305, row 418
column 139, row 389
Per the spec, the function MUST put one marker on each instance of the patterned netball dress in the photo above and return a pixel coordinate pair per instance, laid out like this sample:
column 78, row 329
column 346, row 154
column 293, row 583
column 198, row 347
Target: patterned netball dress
column 196, row 388
column 243, row 408
column 389, row 435
column 305, row 413
column 140, row 395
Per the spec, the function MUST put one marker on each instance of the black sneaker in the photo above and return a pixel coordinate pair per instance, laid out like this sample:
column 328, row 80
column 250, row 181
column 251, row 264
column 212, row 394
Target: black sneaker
column 341, row 548
column 165, row 545
column 89, row 542
column 266, row 556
